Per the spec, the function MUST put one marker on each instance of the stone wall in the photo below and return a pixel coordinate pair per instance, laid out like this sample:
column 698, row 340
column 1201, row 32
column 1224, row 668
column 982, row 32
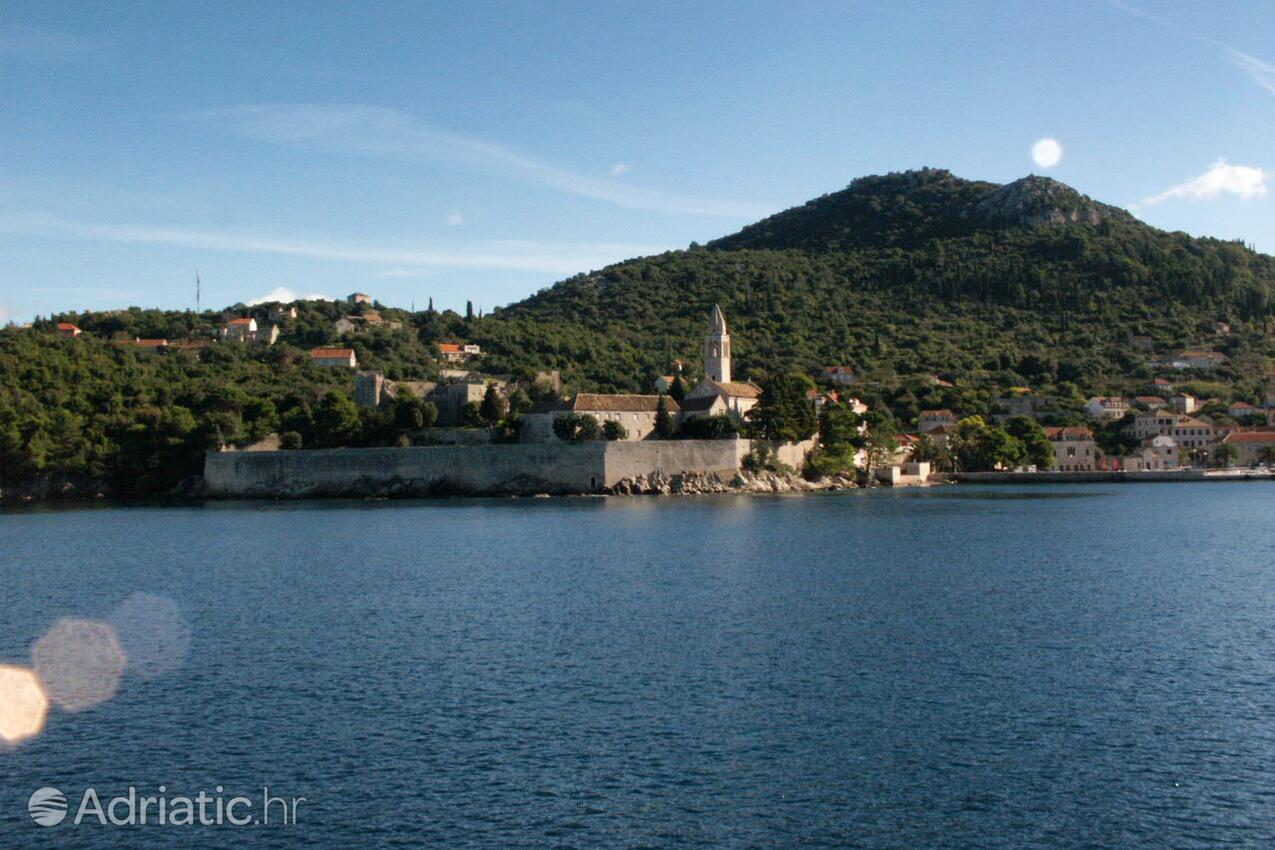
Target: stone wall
column 523, row 468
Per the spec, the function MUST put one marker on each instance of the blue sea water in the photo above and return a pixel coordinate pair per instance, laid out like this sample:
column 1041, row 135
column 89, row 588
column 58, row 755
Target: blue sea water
column 959, row 667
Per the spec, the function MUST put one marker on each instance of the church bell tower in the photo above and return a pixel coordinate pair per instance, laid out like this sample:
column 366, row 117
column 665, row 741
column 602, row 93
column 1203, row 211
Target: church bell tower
column 717, row 348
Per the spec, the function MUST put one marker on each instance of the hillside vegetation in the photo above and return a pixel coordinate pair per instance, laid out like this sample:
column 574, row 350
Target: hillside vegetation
column 905, row 277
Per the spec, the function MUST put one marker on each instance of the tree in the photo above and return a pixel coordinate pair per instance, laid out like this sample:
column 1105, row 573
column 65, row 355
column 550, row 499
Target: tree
column 784, row 413
column 980, row 447
column 412, row 413
column 1266, row 456
column 1226, row 454
column 336, row 419
column 471, row 415
column 577, row 428
column 1039, row 451
column 678, row 389
column 613, row 430
column 289, row 441
column 719, row 426
column 663, row 422
column 492, row 409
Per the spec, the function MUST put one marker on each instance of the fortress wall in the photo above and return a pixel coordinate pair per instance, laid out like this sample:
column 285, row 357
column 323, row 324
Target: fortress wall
column 520, row 468
column 495, row 469
column 629, row 459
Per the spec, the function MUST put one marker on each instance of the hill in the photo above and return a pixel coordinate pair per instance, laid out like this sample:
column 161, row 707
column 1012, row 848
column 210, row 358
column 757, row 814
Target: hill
column 938, row 291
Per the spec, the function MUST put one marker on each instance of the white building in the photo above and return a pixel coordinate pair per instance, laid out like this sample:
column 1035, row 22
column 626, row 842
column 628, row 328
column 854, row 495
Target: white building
column 1107, row 408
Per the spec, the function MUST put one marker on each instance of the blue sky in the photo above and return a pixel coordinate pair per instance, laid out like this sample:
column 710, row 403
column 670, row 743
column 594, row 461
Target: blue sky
column 482, row 151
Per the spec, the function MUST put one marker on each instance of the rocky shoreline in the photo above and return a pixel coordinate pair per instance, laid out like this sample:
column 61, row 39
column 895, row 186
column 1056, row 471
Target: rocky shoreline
column 698, row 483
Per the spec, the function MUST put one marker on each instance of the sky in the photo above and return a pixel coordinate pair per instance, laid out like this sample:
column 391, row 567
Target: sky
column 481, row 151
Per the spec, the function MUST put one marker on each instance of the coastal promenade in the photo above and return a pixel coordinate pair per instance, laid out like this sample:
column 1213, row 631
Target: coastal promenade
column 1111, row 477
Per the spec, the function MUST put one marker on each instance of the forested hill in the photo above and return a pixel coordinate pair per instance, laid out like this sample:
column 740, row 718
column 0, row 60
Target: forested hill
column 914, row 272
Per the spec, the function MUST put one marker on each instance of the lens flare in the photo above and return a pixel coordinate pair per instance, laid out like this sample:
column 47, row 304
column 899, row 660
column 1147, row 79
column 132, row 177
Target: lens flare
column 23, row 704
column 155, row 637
column 80, row 663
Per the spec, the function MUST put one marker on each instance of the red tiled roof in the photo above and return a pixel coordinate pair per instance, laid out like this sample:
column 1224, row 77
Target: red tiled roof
column 246, row 321
column 331, row 353
column 67, row 326
column 1259, row 437
column 449, row 348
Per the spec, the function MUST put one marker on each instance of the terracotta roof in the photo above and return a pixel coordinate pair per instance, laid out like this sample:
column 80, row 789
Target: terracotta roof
column 450, row 348
column 738, row 389
column 1242, row 405
column 1259, row 437
column 67, row 326
column 246, row 321
column 623, row 403
column 934, row 414
column 331, row 353
column 1057, row 431
column 941, row 429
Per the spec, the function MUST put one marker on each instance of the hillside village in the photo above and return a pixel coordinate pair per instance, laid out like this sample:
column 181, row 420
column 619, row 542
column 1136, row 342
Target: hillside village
column 456, row 401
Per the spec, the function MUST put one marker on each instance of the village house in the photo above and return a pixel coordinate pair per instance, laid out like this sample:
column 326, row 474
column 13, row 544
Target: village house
column 360, row 298
column 1254, row 448
column 454, row 352
column 1184, row 403
column 1155, row 454
column 282, row 312
column 928, row 420
column 246, row 329
column 1163, row 386
column 1106, row 408
column 68, row 329
column 1150, row 402
column 840, row 375
column 1242, row 410
column 1187, row 431
column 334, row 358
column 1075, row 449
column 664, row 383
column 637, row 413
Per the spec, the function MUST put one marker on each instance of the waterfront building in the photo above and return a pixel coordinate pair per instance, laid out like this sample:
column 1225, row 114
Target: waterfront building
column 1254, row 447
column 1075, row 449
column 736, row 397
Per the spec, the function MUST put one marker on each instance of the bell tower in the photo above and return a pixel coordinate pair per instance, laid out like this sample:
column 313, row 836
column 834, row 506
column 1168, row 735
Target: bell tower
column 717, row 348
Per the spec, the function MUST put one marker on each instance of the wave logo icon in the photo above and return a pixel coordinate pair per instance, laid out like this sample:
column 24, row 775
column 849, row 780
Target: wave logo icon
column 47, row 807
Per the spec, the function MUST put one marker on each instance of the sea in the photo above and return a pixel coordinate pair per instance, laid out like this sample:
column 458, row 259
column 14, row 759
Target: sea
column 1062, row 666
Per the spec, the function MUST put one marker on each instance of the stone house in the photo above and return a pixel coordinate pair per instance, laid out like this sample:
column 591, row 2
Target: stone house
column 1243, row 410
column 1184, row 403
column 334, row 358
column 1075, row 449
column 1250, row 445
column 636, row 413
column 928, row 420
column 68, row 329
column 1106, row 408
column 246, row 329
column 360, row 298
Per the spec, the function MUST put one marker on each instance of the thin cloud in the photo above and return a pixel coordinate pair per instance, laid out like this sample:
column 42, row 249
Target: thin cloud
column 1245, row 182
column 286, row 296
column 546, row 258
column 1263, row 73
column 390, row 134
column 621, row 168
column 455, row 219
column 1259, row 70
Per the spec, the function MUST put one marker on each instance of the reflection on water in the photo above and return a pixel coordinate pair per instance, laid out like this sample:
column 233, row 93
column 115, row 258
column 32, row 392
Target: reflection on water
column 23, row 704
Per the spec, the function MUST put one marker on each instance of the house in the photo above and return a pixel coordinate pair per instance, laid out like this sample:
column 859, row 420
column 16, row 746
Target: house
column 246, row 329
column 1149, row 402
column 1187, row 431
column 1106, row 408
column 1163, row 386
column 928, row 420
column 1152, row 422
column 372, row 390
column 360, row 298
column 334, row 357
column 940, row 435
column 1243, row 410
column 664, row 383
column 1254, row 448
column 1184, row 402
column 1075, row 449
column 840, row 375
column 454, row 352
column 737, row 397
column 1156, row 454
column 68, row 329
column 637, row 413
column 1203, row 359
column 282, row 312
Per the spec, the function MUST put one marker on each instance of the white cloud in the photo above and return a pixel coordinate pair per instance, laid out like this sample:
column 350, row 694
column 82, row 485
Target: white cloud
column 1047, row 153
column 286, row 295
column 455, row 219
column 547, row 258
column 390, row 134
column 1263, row 73
column 620, row 168
column 1245, row 182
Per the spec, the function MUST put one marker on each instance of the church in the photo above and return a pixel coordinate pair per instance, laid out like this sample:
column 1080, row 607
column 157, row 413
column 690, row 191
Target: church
column 715, row 394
